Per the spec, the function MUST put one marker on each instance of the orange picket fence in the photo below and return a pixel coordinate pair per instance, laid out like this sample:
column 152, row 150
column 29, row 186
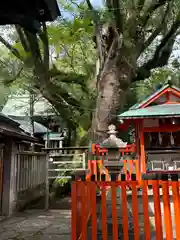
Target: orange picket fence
column 96, row 167
column 121, row 213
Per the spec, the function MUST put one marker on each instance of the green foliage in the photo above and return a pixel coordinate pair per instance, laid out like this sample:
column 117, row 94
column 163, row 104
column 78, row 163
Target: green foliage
column 74, row 49
column 61, row 182
column 72, row 60
column 60, row 60
column 159, row 77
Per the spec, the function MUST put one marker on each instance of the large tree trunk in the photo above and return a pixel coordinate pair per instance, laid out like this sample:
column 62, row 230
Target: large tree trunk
column 115, row 78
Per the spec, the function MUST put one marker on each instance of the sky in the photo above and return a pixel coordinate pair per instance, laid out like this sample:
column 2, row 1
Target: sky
column 95, row 3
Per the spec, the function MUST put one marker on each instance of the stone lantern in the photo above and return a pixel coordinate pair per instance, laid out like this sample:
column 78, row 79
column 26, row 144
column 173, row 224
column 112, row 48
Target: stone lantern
column 113, row 144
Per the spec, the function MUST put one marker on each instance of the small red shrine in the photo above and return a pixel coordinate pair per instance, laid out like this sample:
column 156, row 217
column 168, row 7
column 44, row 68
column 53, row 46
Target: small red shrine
column 156, row 124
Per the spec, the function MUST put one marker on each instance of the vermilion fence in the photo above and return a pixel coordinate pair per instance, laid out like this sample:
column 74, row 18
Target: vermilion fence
column 98, row 150
column 96, row 167
column 122, row 214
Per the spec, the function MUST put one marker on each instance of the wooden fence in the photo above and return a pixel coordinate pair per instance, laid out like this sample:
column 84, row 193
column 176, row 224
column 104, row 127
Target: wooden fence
column 151, row 214
column 96, row 167
column 65, row 150
column 30, row 170
column 97, row 163
column 63, row 165
column 1, row 171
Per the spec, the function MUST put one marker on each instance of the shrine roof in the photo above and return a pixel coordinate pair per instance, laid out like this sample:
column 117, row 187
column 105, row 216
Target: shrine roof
column 154, row 95
column 29, row 13
column 157, row 111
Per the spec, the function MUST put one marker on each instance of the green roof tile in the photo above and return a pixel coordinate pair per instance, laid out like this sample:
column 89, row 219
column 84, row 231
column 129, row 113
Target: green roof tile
column 158, row 111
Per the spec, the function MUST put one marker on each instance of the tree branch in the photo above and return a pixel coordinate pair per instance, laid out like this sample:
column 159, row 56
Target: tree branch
column 140, row 4
column 160, row 61
column 90, row 6
column 114, row 7
column 66, row 109
column 35, row 53
column 156, row 31
column 168, row 36
column 162, row 53
column 8, row 82
column 98, row 35
column 154, row 6
column 22, row 38
column 13, row 50
column 44, row 38
column 71, row 78
column 60, row 96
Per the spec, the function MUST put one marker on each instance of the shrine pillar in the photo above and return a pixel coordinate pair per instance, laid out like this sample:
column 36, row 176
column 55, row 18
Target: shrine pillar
column 142, row 149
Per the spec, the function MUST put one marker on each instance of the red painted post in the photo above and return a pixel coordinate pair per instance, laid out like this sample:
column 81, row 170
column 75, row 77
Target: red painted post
column 147, row 229
column 157, row 209
column 74, row 211
column 114, row 212
column 167, row 210
column 176, row 202
column 83, row 216
column 124, row 212
column 84, row 208
column 93, row 209
column 104, row 213
column 135, row 211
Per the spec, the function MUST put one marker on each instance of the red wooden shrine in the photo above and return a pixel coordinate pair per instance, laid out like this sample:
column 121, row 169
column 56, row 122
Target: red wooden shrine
column 156, row 124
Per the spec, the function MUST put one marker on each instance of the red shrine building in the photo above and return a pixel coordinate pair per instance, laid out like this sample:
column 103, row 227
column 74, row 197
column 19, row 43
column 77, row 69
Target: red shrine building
column 156, row 122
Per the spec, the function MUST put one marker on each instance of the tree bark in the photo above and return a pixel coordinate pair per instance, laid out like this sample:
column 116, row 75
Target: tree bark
column 114, row 80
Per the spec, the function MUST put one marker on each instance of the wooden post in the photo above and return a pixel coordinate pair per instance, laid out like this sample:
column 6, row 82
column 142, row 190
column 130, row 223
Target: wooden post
column 84, row 160
column 1, row 173
column 31, row 115
column 7, row 178
column 142, row 150
column 137, row 125
column 47, row 182
column 74, row 206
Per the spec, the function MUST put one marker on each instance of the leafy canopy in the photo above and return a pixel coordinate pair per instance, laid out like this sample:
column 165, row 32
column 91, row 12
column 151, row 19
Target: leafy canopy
column 59, row 62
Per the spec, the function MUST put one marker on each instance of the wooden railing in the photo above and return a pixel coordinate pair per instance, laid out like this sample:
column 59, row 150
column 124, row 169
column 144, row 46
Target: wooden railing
column 63, row 161
column 30, row 170
column 60, row 166
column 153, row 214
column 96, row 167
column 101, row 151
column 65, row 150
